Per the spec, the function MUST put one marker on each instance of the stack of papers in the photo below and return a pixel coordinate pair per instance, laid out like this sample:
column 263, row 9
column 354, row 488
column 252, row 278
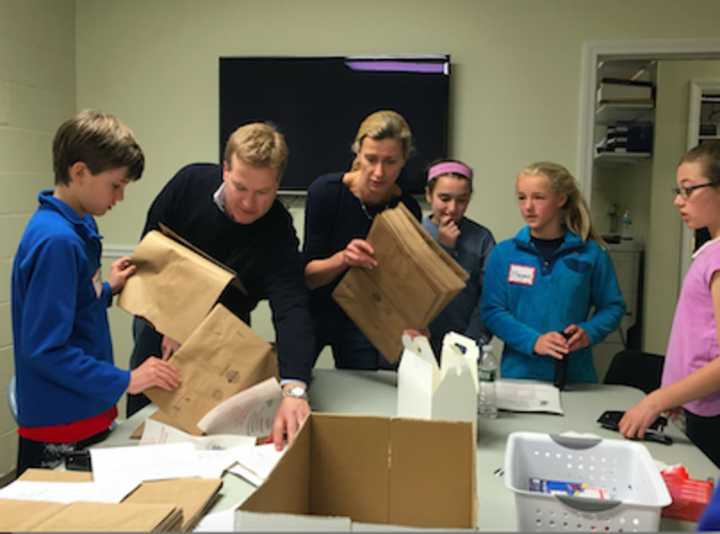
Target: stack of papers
column 528, row 396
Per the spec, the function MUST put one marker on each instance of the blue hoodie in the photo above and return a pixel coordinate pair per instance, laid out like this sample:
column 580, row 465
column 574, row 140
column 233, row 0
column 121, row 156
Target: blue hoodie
column 525, row 297
column 63, row 354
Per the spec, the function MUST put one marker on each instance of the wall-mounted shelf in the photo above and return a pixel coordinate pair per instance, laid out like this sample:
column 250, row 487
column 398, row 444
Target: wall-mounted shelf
column 607, row 114
column 627, row 158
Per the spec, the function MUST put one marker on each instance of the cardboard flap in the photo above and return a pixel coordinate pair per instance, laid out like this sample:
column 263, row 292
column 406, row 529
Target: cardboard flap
column 174, row 287
column 287, row 489
column 192, row 495
column 102, row 517
column 349, row 467
column 25, row 515
column 415, row 279
column 440, row 494
column 222, row 357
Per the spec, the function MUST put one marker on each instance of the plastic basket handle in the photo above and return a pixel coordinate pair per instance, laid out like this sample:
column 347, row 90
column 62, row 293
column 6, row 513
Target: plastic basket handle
column 586, row 504
column 571, row 442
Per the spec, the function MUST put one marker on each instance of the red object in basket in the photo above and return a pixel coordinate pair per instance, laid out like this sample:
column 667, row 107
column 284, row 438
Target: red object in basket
column 689, row 496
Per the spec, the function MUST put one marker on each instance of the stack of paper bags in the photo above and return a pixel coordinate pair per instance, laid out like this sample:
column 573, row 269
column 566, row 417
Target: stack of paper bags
column 447, row 392
column 221, row 358
column 175, row 285
column 159, row 505
column 415, row 279
column 39, row 516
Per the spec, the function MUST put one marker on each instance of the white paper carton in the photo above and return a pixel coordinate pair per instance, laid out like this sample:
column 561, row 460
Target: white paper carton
column 446, row 392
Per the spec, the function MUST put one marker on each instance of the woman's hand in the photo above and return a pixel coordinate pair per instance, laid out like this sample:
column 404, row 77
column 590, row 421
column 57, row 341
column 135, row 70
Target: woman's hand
column 359, row 253
column 552, row 344
column 448, row 231
column 638, row 418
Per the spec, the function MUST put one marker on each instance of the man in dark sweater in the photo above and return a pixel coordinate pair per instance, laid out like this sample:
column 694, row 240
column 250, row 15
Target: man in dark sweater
column 231, row 212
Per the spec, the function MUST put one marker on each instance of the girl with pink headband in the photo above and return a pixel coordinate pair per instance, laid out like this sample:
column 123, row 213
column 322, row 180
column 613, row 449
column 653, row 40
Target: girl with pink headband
column 448, row 191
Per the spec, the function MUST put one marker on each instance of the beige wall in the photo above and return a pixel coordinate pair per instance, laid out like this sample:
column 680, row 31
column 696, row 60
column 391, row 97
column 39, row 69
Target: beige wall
column 515, row 89
column 663, row 253
column 37, row 92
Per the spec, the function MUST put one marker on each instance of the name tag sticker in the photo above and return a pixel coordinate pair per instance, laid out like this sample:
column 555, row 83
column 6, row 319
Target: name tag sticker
column 521, row 274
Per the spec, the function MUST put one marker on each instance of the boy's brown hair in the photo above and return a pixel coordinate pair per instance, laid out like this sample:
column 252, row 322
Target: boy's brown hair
column 99, row 140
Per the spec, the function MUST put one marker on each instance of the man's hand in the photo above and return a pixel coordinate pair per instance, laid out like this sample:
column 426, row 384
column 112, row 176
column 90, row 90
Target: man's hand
column 120, row 270
column 448, row 231
column 552, row 344
column 154, row 372
column 169, row 347
column 359, row 253
column 577, row 338
column 289, row 417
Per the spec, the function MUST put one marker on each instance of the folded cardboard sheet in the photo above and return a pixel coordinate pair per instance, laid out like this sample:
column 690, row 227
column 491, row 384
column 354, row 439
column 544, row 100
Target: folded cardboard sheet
column 415, row 279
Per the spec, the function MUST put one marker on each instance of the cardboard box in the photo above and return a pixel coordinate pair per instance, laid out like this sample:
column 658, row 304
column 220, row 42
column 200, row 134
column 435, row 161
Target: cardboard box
column 363, row 469
column 446, row 392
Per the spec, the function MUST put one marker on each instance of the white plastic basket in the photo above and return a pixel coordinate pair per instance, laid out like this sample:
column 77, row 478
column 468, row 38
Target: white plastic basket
column 636, row 490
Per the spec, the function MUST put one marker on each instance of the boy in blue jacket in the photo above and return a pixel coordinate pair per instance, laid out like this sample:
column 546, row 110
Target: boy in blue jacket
column 67, row 383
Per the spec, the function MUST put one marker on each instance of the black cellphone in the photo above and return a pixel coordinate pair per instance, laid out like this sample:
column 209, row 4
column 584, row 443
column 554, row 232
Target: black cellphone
column 561, row 368
column 78, row 461
column 611, row 419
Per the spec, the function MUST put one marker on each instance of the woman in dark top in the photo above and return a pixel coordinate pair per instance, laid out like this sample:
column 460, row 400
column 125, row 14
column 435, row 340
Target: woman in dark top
column 339, row 212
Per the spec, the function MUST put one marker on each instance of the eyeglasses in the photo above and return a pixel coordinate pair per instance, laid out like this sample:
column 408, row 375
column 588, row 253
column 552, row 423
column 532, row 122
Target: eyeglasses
column 686, row 191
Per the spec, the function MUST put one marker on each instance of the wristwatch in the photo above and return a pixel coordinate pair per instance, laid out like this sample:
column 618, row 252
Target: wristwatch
column 296, row 392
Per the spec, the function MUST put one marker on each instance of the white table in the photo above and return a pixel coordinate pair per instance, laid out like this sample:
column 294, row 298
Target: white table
column 374, row 393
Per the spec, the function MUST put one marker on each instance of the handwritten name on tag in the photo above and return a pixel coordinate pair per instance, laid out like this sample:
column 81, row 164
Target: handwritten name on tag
column 521, row 274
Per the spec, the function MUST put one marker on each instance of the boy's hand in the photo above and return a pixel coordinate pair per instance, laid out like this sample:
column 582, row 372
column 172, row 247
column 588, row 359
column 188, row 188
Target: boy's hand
column 120, row 270
column 448, row 231
column 154, row 372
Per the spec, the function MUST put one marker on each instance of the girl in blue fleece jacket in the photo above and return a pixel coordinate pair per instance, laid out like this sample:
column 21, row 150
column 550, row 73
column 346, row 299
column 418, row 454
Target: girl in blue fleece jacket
column 553, row 278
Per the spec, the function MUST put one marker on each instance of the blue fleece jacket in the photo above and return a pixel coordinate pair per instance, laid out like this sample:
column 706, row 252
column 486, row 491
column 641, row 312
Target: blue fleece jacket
column 63, row 354
column 524, row 297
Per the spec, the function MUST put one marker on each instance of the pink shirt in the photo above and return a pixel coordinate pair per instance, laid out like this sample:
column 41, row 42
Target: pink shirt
column 693, row 338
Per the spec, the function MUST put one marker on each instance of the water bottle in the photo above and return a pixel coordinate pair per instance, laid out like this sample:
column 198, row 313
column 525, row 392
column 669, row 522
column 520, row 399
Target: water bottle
column 487, row 370
column 626, row 233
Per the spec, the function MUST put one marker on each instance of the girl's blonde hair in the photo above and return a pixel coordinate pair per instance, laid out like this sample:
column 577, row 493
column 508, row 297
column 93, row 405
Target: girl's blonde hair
column 380, row 125
column 576, row 213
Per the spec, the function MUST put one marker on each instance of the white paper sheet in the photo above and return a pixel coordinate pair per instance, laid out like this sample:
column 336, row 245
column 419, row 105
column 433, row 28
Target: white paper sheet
column 249, row 413
column 255, row 464
column 528, row 396
column 151, row 462
column 158, row 433
column 67, row 492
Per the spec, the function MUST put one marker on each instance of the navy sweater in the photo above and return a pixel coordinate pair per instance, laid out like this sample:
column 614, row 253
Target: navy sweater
column 264, row 254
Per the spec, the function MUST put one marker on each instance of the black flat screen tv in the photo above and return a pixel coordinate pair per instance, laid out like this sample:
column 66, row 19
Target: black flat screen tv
column 319, row 102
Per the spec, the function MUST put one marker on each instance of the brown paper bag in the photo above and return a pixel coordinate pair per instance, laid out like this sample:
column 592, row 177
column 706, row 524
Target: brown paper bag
column 192, row 495
column 17, row 516
column 415, row 279
column 175, row 285
column 222, row 357
column 104, row 517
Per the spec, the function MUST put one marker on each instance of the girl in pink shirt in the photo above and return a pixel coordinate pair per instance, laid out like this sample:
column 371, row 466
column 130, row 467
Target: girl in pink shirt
column 691, row 375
